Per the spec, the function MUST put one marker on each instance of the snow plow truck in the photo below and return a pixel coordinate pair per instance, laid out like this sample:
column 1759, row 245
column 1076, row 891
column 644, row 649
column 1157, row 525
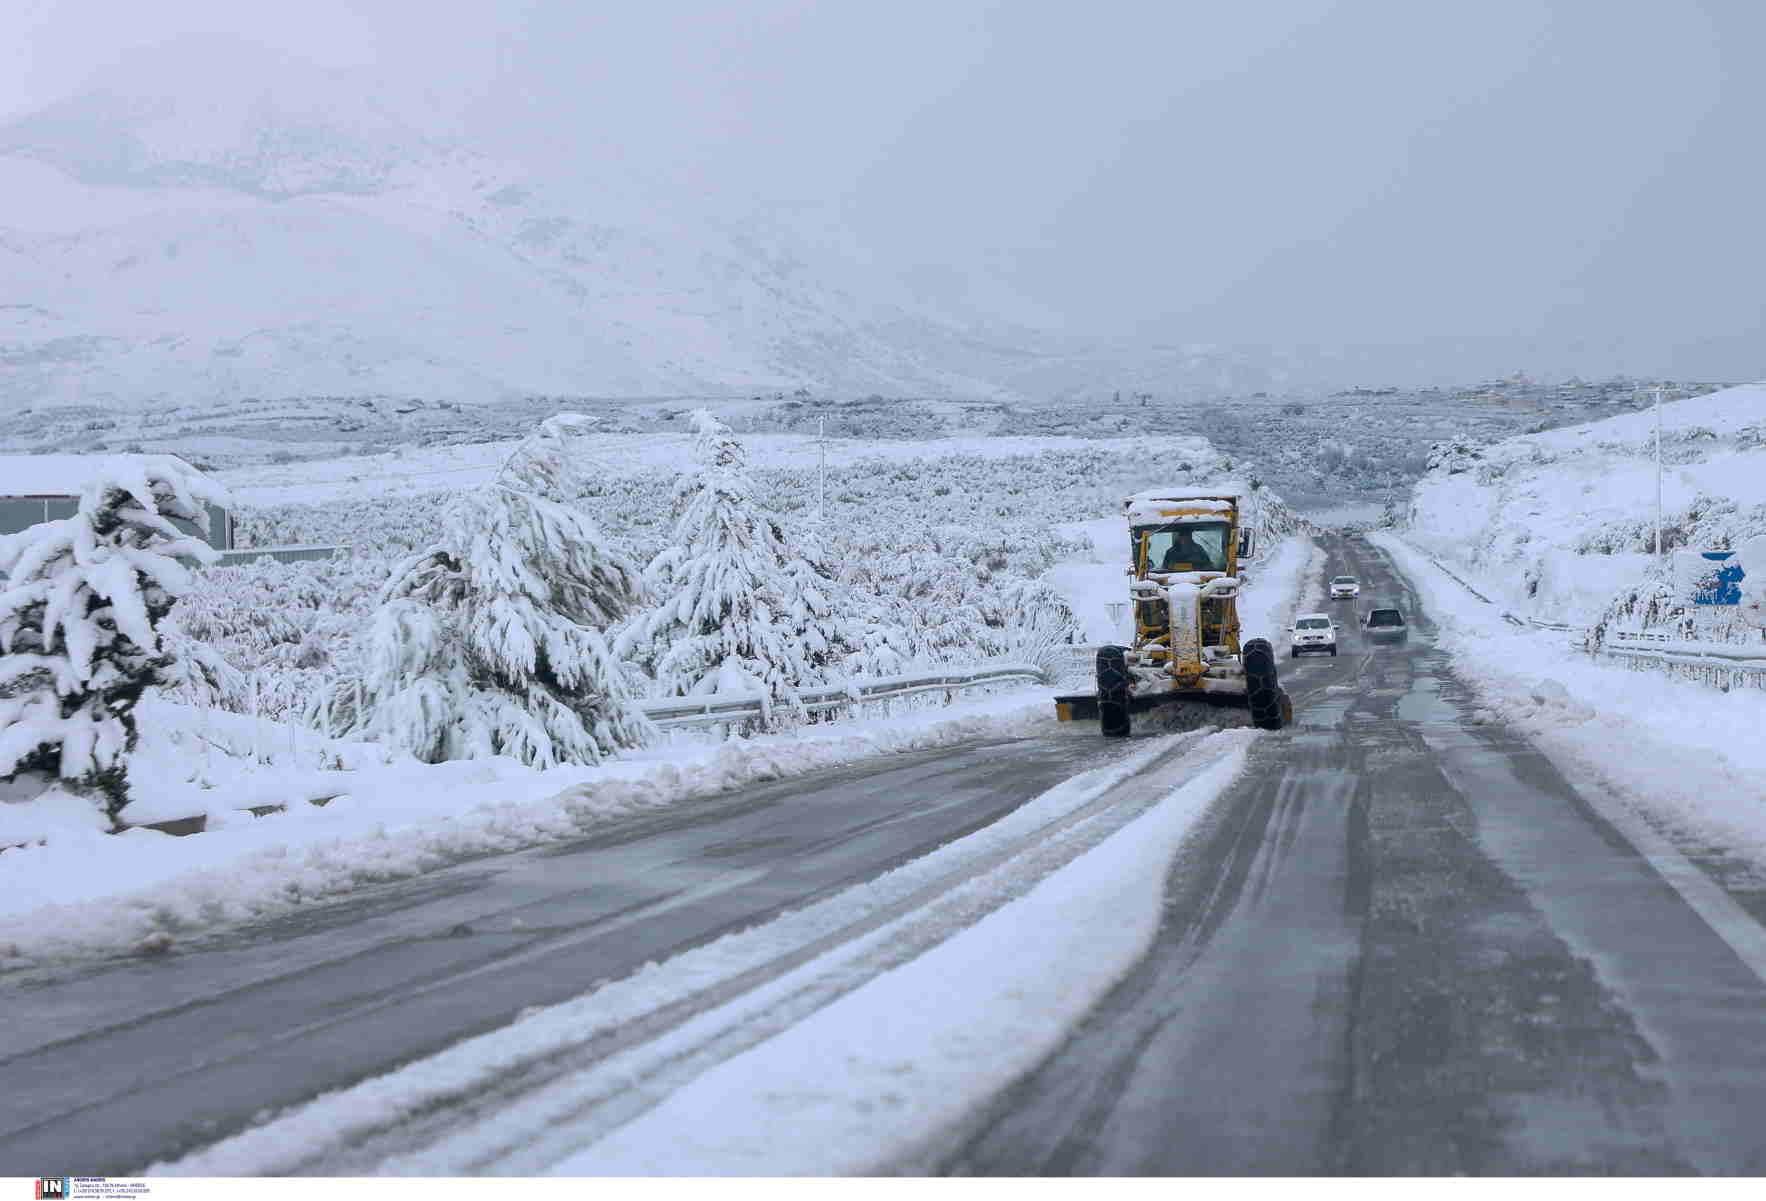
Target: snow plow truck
column 1185, row 547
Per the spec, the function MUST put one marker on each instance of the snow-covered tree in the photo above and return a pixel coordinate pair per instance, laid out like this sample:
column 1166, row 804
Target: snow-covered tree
column 491, row 641
column 79, row 618
column 741, row 610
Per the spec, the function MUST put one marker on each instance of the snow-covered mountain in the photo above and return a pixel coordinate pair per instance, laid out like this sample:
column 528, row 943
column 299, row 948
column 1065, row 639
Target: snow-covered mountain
column 213, row 220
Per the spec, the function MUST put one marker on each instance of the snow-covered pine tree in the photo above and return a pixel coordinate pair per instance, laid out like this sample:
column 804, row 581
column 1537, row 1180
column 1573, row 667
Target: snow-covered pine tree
column 79, row 618
column 740, row 609
column 491, row 641
column 822, row 614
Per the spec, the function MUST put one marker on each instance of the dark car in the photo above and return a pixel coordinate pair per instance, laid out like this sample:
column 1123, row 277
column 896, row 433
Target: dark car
column 1385, row 625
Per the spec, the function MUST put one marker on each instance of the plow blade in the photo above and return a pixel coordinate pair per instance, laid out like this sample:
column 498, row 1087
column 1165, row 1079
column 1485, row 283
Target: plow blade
column 1083, row 706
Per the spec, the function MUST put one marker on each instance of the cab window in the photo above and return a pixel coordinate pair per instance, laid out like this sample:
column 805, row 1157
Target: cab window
column 1184, row 546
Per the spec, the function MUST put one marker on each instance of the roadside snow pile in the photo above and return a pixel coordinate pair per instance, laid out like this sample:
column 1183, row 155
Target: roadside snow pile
column 1688, row 756
column 1559, row 524
column 87, row 892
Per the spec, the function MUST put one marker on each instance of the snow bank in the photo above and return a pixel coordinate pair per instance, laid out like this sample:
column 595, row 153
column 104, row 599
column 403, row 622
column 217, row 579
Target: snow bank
column 87, row 892
column 1687, row 757
column 1557, row 523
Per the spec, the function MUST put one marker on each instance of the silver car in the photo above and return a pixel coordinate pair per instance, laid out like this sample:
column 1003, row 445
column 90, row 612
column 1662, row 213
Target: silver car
column 1345, row 587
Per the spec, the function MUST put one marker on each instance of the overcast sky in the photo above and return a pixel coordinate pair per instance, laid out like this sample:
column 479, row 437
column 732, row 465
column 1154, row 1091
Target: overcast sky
column 1386, row 172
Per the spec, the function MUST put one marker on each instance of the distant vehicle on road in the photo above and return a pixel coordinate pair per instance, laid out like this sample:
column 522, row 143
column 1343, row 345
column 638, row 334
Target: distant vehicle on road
column 1385, row 625
column 1345, row 587
column 1314, row 633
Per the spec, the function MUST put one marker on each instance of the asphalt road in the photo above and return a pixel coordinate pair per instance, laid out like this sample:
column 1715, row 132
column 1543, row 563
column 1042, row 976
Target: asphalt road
column 117, row 1065
column 1403, row 945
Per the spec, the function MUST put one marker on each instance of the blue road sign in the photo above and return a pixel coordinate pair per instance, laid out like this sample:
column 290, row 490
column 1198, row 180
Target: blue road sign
column 1721, row 584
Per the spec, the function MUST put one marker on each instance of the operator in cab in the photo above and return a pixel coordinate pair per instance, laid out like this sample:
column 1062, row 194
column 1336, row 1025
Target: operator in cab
column 1187, row 554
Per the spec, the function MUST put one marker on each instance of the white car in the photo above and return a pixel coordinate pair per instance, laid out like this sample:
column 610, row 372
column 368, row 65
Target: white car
column 1345, row 587
column 1313, row 633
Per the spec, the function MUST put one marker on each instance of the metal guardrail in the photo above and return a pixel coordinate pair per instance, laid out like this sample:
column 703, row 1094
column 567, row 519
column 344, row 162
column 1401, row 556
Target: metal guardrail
column 1713, row 658
column 1644, row 640
column 282, row 554
column 695, row 710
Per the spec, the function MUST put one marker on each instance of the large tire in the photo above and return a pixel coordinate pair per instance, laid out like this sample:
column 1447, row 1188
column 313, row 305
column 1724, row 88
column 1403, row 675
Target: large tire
column 1113, row 692
column 1262, row 689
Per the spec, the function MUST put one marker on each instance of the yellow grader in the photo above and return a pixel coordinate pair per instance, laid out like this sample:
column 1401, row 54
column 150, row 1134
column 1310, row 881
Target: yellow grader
column 1186, row 545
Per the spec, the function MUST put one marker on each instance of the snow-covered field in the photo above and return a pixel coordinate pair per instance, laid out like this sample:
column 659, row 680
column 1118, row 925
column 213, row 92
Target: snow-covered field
column 414, row 470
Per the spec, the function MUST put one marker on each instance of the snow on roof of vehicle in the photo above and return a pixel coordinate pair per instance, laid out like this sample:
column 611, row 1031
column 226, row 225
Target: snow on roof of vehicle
column 63, row 475
column 1299, row 617
column 1155, row 503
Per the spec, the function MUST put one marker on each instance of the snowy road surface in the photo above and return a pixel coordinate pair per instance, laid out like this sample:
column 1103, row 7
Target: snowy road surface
column 1399, row 942
column 1404, row 945
column 135, row 1061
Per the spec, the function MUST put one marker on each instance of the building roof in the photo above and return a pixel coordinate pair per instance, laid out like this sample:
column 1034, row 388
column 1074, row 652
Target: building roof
column 59, row 475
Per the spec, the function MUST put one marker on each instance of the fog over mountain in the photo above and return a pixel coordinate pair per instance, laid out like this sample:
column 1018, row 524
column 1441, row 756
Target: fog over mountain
column 944, row 200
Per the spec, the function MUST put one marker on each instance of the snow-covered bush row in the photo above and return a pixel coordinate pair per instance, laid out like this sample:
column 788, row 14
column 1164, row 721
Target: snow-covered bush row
column 292, row 626
column 1562, row 525
column 928, row 560
column 871, row 418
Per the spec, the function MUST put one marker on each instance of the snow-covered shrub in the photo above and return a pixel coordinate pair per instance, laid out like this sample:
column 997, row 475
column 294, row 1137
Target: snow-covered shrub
column 491, row 641
column 283, row 630
column 1453, row 457
column 740, row 610
column 79, row 637
column 1033, row 623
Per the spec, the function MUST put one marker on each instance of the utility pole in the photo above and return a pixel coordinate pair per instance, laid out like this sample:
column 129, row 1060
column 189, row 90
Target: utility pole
column 1658, row 471
column 821, row 464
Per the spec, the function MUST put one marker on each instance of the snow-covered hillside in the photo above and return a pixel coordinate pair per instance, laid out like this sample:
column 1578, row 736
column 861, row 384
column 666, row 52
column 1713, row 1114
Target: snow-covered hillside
column 211, row 219
column 1557, row 524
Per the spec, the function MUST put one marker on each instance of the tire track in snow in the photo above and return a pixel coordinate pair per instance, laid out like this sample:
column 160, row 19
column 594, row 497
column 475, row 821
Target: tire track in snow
column 473, row 1107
